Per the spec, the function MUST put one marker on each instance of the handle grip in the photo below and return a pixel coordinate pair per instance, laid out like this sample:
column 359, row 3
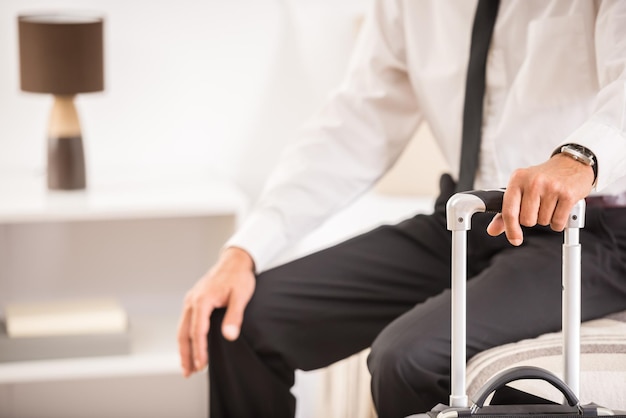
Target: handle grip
column 462, row 206
column 522, row 373
column 492, row 199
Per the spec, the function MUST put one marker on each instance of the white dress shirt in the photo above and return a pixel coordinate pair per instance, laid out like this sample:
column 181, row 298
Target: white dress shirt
column 555, row 75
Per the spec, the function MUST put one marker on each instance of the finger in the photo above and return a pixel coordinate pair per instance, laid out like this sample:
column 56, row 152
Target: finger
column 233, row 318
column 184, row 342
column 199, row 329
column 546, row 210
column 561, row 215
column 510, row 215
column 529, row 208
column 496, row 226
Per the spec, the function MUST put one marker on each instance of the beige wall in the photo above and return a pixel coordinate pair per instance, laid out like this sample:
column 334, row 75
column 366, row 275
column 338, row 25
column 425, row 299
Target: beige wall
column 417, row 170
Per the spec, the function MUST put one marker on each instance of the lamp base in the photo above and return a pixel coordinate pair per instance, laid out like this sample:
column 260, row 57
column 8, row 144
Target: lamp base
column 66, row 157
column 66, row 163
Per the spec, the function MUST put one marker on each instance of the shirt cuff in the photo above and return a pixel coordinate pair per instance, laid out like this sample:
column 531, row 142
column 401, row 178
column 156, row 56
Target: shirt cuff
column 262, row 236
column 608, row 145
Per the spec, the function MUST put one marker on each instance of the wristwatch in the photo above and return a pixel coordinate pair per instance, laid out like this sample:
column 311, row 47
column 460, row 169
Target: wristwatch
column 581, row 154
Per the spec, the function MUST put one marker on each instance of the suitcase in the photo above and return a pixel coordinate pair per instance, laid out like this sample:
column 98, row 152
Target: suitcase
column 506, row 401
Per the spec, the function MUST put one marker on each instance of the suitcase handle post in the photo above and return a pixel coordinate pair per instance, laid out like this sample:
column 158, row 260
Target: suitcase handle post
column 459, row 210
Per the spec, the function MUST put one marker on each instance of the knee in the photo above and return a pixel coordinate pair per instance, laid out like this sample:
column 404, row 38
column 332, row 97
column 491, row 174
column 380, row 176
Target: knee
column 253, row 322
column 417, row 371
column 407, row 353
column 215, row 325
column 258, row 328
column 389, row 360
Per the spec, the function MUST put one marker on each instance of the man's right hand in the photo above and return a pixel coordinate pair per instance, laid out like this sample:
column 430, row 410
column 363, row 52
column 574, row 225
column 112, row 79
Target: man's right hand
column 228, row 284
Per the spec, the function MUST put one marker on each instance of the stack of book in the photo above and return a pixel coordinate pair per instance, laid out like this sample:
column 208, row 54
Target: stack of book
column 63, row 329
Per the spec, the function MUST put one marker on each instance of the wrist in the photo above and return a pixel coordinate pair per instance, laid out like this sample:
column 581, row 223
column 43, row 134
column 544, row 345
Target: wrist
column 580, row 154
column 567, row 162
column 239, row 256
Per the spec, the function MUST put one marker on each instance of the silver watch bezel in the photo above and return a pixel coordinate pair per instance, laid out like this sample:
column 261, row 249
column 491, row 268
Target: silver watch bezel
column 579, row 153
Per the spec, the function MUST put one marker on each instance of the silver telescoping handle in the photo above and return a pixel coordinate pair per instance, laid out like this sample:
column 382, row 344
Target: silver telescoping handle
column 459, row 211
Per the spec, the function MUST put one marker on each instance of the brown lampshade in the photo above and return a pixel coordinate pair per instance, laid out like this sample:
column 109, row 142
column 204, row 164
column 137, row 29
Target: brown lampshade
column 61, row 54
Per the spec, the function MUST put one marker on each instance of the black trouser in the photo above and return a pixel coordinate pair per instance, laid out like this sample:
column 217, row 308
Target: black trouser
column 389, row 289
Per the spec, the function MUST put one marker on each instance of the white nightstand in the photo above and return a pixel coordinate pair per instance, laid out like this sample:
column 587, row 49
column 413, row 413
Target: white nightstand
column 141, row 236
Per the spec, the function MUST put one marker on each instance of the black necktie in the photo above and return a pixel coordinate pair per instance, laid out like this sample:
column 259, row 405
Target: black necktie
column 482, row 30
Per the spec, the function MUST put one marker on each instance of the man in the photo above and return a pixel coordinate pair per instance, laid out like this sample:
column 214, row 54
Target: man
column 552, row 128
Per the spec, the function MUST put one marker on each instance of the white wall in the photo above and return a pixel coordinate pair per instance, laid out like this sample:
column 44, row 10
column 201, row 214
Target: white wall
column 213, row 83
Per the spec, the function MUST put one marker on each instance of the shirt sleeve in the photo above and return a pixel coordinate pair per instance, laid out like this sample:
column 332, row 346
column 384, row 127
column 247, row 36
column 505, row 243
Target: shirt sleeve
column 604, row 133
column 345, row 148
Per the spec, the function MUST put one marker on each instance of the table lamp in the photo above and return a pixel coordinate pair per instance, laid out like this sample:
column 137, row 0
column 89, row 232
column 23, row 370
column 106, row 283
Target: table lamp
column 62, row 55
